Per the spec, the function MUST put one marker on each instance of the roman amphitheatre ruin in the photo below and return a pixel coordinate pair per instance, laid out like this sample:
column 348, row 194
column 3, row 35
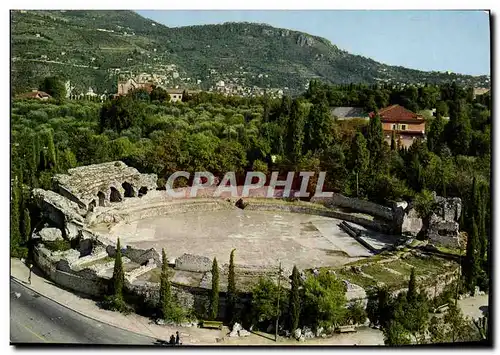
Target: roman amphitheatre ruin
column 92, row 206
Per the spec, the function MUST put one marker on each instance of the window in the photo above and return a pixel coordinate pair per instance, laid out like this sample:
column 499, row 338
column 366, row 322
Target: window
column 403, row 127
column 394, row 127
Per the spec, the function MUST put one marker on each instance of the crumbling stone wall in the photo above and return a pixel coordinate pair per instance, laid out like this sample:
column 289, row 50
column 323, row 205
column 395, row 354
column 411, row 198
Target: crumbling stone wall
column 47, row 263
column 356, row 204
column 139, row 256
column 64, row 213
column 197, row 263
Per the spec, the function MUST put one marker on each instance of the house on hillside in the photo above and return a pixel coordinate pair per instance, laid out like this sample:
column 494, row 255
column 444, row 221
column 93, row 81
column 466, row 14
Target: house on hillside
column 347, row 113
column 480, row 91
column 35, row 94
column 175, row 94
column 404, row 124
column 127, row 86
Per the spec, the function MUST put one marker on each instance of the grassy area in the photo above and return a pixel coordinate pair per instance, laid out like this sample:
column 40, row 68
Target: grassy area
column 454, row 251
column 57, row 245
column 426, row 266
column 382, row 275
column 399, row 266
column 356, row 278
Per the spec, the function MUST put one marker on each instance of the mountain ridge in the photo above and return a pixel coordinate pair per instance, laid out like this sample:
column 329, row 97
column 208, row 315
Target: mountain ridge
column 93, row 48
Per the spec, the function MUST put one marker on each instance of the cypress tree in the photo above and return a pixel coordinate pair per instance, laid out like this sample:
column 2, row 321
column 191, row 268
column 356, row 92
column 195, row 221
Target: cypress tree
column 50, row 156
column 295, row 134
column 118, row 279
column 231, row 289
column 472, row 268
column 36, row 153
column 214, row 297
column 295, row 300
column 15, row 235
column 412, row 287
column 27, row 225
column 375, row 141
column 165, row 291
column 483, row 238
column 393, row 142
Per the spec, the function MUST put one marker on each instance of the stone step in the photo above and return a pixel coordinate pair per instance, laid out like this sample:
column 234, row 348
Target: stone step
column 83, row 261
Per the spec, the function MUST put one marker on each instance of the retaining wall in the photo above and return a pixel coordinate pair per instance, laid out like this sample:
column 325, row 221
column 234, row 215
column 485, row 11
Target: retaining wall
column 339, row 200
column 375, row 225
column 82, row 284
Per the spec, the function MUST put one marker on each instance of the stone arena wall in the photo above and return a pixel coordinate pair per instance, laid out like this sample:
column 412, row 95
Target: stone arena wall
column 375, row 225
column 339, row 200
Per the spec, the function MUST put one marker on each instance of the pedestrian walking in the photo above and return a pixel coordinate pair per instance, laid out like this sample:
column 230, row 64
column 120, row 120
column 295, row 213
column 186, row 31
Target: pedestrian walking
column 177, row 338
column 30, row 268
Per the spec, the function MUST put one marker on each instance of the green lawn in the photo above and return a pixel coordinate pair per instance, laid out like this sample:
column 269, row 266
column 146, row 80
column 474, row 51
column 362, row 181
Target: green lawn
column 399, row 266
column 382, row 275
column 356, row 278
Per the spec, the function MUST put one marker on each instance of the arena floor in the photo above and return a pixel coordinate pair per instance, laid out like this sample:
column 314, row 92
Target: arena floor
column 259, row 237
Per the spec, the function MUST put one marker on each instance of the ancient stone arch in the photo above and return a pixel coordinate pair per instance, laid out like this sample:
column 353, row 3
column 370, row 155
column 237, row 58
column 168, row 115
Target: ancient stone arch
column 92, row 205
column 143, row 191
column 102, row 198
column 129, row 190
column 115, row 195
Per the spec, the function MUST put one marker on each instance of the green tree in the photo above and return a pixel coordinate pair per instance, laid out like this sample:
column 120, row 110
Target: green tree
column 324, row 300
column 120, row 114
column 165, row 289
column 395, row 334
column 160, row 94
column 424, row 203
column 118, row 279
column 458, row 329
column 437, row 330
column 264, row 300
column 295, row 134
column 27, row 225
column 231, row 290
column 412, row 294
column 356, row 313
column 318, row 127
column 458, row 130
column 435, row 134
column 49, row 151
column 54, row 87
column 295, row 299
column 15, row 234
column 375, row 141
column 214, row 294
column 471, row 269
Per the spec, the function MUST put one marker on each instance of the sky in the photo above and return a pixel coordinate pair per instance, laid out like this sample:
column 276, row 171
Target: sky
column 446, row 40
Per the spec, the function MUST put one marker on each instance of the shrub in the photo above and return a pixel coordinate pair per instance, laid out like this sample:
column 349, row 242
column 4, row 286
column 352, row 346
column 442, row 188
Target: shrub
column 58, row 245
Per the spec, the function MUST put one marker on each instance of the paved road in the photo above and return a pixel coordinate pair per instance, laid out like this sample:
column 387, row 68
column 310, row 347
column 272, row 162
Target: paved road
column 36, row 319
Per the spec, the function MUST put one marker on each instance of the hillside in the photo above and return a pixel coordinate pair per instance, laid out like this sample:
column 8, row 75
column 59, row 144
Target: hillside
column 91, row 48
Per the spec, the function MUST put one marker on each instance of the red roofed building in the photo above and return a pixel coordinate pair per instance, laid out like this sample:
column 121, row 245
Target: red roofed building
column 405, row 124
column 35, row 94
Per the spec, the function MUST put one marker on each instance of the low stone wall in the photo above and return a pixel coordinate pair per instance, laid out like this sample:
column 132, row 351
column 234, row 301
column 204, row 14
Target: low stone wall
column 339, row 200
column 139, row 256
column 374, row 225
column 85, row 285
column 196, row 263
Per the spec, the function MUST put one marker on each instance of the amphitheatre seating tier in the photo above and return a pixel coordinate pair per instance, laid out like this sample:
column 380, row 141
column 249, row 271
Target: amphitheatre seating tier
column 100, row 184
